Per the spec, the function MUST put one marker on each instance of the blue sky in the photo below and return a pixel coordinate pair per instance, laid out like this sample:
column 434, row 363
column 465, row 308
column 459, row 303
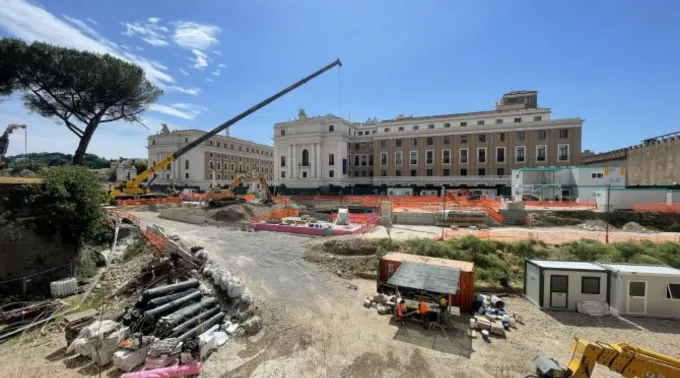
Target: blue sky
column 613, row 63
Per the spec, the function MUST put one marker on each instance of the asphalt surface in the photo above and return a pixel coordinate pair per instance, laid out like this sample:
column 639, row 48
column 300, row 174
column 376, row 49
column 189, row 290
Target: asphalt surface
column 271, row 263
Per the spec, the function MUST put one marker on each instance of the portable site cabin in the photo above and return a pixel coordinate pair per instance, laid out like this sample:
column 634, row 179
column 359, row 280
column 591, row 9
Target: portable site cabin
column 559, row 285
column 429, row 274
column 644, row 290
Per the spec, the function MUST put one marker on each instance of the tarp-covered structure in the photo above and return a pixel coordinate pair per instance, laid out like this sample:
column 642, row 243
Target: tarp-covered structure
column 432, row 278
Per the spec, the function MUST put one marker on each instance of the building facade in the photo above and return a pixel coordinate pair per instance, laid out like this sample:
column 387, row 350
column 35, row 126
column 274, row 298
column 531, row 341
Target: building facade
column 464, row 149
column 214, row 163
column 566, row 183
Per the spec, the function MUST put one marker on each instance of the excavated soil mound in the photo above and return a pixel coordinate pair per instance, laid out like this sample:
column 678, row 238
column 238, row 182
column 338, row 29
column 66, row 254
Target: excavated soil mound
column 229, row 214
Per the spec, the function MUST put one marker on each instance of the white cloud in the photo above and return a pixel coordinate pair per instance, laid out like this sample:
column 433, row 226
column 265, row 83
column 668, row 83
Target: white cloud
column 216, row 73
column 82, row 26
column 154, row 20
column 180, row 110
column 209, row 80
column 189, row 91
column 149, row 31
column 33, row 23
column 125, row 47
column 93, row 22
column 217, row 52
column 191, row 35
column 183, row 71
column 140, row 48
column 200, row 59
column 222, row 65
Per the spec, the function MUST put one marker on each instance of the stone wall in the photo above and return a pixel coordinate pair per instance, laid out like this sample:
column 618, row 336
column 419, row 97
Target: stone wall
column 657, row 163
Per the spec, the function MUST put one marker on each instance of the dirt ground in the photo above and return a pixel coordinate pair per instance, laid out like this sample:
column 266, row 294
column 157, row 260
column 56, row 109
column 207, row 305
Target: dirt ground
column 315, row 325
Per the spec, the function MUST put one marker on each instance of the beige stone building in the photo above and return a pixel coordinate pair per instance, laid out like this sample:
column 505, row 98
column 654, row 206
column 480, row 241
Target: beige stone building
column 217, row 161
column 461, row 149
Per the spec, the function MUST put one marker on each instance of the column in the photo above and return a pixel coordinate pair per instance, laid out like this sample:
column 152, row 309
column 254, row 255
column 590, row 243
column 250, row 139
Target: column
column 312, row 161
column 319, row 160
column 293, row 162
column 338, row 160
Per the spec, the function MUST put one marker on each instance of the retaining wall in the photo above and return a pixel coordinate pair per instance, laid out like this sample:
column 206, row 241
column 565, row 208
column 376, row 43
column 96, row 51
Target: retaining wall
column 186, row 218
column 422, row 219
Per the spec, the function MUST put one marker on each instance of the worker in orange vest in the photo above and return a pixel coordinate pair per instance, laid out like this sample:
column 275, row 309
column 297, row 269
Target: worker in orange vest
column 424, row 311
column 401, row 311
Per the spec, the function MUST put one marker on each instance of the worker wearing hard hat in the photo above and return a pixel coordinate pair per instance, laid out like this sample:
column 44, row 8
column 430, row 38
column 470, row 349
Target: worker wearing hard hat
column 442, row 315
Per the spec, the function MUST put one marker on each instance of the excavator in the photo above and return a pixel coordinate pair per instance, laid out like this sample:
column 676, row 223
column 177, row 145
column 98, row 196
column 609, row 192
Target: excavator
column 134, row 188
column 4, row 141
column 627, row 360
column 224, row 197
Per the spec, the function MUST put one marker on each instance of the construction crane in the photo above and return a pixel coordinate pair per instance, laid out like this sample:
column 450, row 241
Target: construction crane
column 223, row 197
column 133, row 188
column 628, row 360
column 4, row 141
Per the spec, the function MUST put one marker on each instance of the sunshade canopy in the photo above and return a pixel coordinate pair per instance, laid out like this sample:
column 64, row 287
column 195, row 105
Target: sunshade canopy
column 434, row 278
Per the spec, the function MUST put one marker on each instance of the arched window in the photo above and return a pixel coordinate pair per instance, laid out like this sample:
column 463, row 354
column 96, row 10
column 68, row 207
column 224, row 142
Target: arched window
column 305, row 158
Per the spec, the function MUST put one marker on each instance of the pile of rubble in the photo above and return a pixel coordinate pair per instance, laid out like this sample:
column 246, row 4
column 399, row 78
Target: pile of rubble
column 383, row 303
column 491, row 317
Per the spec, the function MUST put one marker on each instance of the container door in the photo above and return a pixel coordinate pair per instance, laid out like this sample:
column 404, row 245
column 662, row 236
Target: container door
column 637, row 297
column 559, row 286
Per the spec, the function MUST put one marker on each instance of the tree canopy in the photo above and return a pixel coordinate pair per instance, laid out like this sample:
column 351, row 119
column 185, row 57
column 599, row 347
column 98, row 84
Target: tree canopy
column 55, row 159
column 79, row 88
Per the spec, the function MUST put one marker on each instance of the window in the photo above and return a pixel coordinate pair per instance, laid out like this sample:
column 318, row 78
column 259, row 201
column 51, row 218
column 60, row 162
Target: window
column 357, row 146
column 364, row 160
column 397, row 143
column 331, row 128
column 564, row 133
column 597, row 175
column 430, row 141
column 519, row 154
column 481, row 172
column 447, row 125
column 563, row 152
column 500, row 171
column 383, row 173
column 500, row 120
column 331, row 159
column 414, row 157
column 363, row 173
column 305, row 158
column 481, row 155
column 429, row 172
column 383, row 144
column 500, row 155
column 331, row 173
column 540, row 153
column 413, row 172
column 429, row 157
column 414, row 142
column 219, row 166
column 430, row 126
column 370, row 160
column 673, row 291
column 590, row 285
column 541, row 134
column 480, row 123
column 637, row 288
column 232, row 166
column 397, row 158
column 186, row 175
column 463, row 171
column 219, row 144
column 501, row 137
column 416, row 127
column 537, row 118
column 210, row 154
column 463, row 139
column 481, row 138
column 446, row 156
column 212, row 165
column 186, row 164
column 283, row 161
column 219, row 176
column 401, row 128
column 283, row 133
column 356, row 160
column 446, row 140
column 520, row 135
column 383, row 159
column 304, row 174
column 398, row 172
column 463, row 124
column 186, row 140
column 518, row 120
column 464, row 156
column 446, row 172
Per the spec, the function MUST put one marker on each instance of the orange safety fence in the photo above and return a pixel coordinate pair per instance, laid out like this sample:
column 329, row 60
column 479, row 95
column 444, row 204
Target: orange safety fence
column 282, row 213
column 561, row 204
column 154, row 239
column 658, row 207
column 367, row 220
column 560, row 237
column 149, row 201
column 193, row 196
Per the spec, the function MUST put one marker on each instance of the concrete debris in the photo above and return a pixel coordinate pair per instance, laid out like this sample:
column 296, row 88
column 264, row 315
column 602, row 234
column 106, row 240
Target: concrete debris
column 127, row 360
column 236, row 287
column 635, row 227
column 383, row 310
column 367, row 303
column 231, row 328
column 207, row 341
column 253, row 325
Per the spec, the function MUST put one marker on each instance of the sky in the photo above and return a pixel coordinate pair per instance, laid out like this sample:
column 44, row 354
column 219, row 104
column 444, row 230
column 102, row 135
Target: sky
column 613, row 63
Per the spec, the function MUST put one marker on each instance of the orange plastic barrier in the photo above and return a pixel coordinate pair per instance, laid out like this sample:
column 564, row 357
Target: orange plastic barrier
column 149, row 201
column 658, row 207
column 560, row 237
column 567, row 204
column 154, row 239
column 282, row 213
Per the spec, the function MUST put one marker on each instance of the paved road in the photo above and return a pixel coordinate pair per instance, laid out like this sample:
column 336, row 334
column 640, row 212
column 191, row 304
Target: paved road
column 271, row 263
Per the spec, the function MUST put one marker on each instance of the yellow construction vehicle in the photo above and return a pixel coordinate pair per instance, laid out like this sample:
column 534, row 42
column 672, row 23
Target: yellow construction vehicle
column 134, row 189
column 628, row 360
column 222, row 197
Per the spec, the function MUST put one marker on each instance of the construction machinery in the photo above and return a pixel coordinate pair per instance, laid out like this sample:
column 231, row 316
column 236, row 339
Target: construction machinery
column 223, row 197
column 4, row 141
column 628, row 360
column 134, row 188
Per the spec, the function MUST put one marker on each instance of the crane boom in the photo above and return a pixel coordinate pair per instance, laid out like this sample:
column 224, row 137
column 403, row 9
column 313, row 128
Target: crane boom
column 133, row 186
